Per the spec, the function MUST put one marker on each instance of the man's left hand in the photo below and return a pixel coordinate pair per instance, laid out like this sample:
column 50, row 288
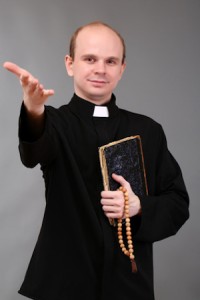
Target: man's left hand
column 113, row 201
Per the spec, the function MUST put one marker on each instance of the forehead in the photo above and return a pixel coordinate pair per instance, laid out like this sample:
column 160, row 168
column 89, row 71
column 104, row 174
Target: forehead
column 98, row 40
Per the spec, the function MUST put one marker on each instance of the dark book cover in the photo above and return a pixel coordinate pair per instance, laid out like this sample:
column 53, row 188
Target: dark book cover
column 124, row 157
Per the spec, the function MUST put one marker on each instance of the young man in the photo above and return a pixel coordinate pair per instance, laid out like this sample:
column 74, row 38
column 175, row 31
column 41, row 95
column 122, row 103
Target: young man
column 77, row 255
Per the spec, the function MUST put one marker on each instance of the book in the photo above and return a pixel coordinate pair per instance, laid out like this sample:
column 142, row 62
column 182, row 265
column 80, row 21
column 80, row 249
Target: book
column 124, row 157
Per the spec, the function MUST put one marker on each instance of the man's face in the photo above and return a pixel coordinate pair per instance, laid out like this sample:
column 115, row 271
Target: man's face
column 97, row 66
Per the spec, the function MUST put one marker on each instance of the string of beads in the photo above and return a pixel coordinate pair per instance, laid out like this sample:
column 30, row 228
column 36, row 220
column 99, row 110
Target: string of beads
column 130, row 251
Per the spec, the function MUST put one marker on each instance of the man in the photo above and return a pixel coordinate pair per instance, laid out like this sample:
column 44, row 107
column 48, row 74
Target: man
column 77, row 255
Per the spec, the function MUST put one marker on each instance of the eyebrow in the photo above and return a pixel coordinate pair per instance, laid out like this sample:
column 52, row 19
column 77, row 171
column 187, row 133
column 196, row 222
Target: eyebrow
column 114, row 58
column 88, row 55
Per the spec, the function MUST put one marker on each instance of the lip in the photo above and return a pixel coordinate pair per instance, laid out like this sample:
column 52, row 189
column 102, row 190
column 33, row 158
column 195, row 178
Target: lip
column 98, row 81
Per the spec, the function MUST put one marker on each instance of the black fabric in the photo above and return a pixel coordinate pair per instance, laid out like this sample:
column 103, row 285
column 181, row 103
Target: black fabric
column 77, row 255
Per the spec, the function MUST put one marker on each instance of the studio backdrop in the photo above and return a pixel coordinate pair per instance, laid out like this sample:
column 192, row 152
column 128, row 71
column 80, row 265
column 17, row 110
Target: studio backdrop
column 162, row 80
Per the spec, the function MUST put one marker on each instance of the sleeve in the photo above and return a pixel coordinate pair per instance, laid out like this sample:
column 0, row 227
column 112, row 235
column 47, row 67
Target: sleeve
column 43, row 149
column 166, row 210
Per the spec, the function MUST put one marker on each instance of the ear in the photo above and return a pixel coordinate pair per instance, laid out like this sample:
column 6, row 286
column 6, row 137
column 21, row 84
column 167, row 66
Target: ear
column 123, row 67
column 69, row 65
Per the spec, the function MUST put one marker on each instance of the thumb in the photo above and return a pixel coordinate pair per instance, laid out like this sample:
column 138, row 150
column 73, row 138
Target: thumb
column 120, row 179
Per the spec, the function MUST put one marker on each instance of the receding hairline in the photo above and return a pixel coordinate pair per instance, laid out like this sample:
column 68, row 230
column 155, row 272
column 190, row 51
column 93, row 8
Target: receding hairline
column 94, row 24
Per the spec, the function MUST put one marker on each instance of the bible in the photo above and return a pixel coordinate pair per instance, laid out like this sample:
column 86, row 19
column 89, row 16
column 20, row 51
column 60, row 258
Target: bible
column 124, row 157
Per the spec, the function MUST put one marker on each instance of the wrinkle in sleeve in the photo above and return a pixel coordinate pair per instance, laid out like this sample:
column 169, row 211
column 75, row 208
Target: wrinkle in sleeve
column 164, row 213
column 32, row 152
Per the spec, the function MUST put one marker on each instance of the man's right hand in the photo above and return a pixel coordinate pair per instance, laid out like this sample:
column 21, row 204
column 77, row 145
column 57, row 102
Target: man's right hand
column 34, row 94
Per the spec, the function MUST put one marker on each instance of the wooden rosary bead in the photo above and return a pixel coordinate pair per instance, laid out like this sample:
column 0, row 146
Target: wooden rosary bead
column 129, row 252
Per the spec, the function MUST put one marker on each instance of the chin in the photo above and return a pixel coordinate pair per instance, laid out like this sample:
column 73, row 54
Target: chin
column 98, row 93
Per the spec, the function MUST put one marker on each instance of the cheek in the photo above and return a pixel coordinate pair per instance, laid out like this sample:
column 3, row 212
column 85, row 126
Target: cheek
column 116, row 77
column 81, row 73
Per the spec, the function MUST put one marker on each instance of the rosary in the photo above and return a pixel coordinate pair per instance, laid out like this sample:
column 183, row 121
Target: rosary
column 130, row 251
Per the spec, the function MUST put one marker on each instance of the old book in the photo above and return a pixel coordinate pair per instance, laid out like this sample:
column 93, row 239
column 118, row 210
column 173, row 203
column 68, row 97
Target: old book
column 124, row 157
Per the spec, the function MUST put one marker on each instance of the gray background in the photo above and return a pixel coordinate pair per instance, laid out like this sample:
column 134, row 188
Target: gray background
column 162, row 80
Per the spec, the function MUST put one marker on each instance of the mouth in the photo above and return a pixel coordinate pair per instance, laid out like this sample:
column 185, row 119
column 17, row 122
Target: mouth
column 100, row 81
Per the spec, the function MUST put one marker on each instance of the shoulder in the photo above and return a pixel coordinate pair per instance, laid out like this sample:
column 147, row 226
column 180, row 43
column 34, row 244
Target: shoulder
column 58, row 118
column 140, row 120
column 150, row 130
column 53, row 110
column 57, row 114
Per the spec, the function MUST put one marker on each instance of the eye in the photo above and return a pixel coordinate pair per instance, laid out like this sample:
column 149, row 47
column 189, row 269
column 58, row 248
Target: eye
column 111, row 62
column 90, row 59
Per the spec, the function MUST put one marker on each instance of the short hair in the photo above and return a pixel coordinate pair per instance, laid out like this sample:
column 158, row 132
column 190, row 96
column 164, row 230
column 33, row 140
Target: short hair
column 93, row 24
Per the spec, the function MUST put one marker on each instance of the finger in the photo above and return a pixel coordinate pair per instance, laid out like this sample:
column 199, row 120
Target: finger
column 40, row 89
column 24, row 79
column 33, row 85
column 107, row 202
column 106, row 194
column 111, row 194
column 30, row 84
column 117, row 201
column 44, row 92
column 113, row 209
column 48, row 93
column 15, row 69
column 113, row 215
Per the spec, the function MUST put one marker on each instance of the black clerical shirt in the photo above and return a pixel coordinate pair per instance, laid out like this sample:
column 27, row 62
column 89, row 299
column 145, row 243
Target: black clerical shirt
column 77, row 255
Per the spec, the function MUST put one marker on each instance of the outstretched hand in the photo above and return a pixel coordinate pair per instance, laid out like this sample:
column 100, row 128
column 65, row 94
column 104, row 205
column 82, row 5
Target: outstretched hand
column 113, row 201
column 34, row 94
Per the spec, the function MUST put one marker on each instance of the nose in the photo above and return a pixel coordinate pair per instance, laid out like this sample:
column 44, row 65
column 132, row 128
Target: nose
column 100, row 67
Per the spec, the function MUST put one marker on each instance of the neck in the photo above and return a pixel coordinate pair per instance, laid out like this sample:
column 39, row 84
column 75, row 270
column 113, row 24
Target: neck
column 97, row 100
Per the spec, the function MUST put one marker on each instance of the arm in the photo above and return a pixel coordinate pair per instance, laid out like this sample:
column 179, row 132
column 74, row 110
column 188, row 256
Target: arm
column 165, row 209
column 34, row 97
column 35, row 147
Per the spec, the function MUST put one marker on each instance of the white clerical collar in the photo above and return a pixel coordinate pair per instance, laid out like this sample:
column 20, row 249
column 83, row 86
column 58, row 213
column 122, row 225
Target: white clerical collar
column 101, row 111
